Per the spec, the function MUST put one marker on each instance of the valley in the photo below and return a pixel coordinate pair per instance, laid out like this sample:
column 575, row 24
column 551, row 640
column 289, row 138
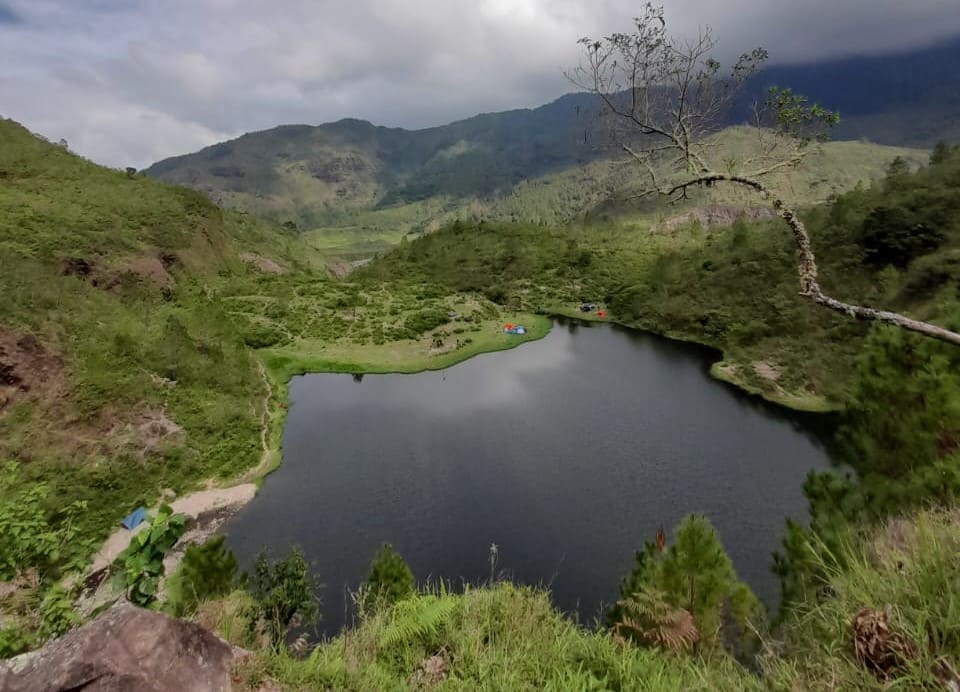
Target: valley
column 318, row 320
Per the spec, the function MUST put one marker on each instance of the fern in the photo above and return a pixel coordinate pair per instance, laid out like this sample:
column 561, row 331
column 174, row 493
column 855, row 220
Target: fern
column 647, row 618
column 417, row 619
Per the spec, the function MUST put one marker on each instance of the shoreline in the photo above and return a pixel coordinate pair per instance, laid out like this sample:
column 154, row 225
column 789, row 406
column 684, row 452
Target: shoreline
column 208, row 508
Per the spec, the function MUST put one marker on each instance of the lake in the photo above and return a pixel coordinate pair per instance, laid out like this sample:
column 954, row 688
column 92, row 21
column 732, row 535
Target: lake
column 567, row 453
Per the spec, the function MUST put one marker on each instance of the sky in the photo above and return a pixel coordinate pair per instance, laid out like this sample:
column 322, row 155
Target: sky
column 129, row 82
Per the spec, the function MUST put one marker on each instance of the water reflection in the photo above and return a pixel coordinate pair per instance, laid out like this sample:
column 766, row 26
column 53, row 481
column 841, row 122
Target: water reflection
column 567, row 452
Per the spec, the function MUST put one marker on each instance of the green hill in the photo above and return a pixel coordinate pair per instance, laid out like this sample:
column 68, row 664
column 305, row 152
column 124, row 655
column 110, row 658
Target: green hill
column 135, row 315
column 360, row 188
column 317, row 175
column 348, row 185
column 120, row 372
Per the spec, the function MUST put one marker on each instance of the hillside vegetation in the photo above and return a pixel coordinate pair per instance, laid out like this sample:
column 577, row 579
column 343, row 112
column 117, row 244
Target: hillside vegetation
column 359, row 188
column 732, row 286
column 120, row 371
column 131, row 316
column 136, row 314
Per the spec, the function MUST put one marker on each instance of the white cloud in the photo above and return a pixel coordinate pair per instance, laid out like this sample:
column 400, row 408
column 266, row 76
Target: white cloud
column 131, row 81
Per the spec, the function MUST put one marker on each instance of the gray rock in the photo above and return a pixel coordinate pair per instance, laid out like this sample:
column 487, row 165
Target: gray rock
column 126, row 648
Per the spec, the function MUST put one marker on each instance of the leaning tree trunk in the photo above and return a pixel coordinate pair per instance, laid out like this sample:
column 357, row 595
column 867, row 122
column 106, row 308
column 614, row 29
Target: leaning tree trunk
column 807, row 264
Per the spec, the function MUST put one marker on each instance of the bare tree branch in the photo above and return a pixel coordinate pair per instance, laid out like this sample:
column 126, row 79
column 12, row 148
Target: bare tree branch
column 671, row 97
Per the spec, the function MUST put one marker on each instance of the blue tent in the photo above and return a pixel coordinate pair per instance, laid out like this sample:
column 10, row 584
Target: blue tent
column 134, row 519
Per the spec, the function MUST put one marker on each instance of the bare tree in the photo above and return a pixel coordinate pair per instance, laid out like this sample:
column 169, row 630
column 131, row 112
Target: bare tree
column 664, row 97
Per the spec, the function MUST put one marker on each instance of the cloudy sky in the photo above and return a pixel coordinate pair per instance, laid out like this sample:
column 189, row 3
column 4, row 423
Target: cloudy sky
column 128, row 82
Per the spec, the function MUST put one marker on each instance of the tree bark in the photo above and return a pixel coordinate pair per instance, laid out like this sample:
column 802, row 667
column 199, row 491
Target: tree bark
column 807, row 263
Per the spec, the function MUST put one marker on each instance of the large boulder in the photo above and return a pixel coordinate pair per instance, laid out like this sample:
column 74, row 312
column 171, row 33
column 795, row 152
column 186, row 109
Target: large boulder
column 126, row 648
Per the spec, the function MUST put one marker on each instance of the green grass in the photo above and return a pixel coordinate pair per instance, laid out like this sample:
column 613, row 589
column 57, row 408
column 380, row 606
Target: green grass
column 501, row 636
column 908, row 567
column 407, row 356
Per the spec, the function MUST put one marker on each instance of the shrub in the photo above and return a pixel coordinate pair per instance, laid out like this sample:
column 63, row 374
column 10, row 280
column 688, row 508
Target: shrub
column 141, row 564
column 390, row 580
column 693, row 575
column 207, row 571
column 284, row 594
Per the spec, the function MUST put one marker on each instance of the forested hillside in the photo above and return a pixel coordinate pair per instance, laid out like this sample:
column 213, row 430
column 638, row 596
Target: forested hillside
column 121, row 372
column 361, row 187
column 136, row 314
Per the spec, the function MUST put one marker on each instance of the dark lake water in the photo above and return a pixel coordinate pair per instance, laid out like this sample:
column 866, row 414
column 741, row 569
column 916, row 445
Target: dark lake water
column 567, row 453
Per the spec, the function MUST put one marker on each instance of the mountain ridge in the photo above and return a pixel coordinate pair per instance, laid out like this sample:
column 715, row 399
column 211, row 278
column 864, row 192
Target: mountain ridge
column 336, row 175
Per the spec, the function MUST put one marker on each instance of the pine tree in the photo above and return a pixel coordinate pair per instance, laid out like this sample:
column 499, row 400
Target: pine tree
column 694, row 575
column 390, row 580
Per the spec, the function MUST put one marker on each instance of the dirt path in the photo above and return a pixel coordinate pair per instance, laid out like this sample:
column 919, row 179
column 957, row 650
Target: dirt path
column 205, row 509
column 258, row 470
column 196, row 506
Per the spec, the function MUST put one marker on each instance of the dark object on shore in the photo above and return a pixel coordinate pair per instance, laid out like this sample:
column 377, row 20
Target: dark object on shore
column 587, row 307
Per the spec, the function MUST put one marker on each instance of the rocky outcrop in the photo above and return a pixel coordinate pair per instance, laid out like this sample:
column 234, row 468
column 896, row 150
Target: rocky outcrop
column 126, row 648
column 717, row 216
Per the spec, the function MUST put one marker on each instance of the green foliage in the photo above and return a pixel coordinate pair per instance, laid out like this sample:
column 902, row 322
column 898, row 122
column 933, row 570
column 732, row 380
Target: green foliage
column 140, row 566
column 207, row 571
column 905, row 408
column 30, row 536
column 695, row 574
column 56, row 613
column 797, row 117
column 283, row 593
column 13, row 641
column 390, row 580
column 891, row 236
column 419, row 620
column 901, row 433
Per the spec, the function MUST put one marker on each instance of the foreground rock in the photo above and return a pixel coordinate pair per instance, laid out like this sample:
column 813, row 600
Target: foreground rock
column 126, row 648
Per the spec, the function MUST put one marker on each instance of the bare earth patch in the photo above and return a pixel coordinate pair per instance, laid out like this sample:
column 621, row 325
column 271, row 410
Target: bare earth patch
column 717, row 216
column 338, row 270
column 767, row 371
column 27, row 367
column 264, row 264
column 147, row 268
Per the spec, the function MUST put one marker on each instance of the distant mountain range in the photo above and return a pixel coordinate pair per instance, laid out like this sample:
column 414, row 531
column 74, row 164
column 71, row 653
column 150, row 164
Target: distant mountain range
column 325, row 175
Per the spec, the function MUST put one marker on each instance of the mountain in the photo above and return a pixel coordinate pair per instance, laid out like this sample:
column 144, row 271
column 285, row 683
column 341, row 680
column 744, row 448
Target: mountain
column 909, row 98
column 350, row 164
column 356, row 180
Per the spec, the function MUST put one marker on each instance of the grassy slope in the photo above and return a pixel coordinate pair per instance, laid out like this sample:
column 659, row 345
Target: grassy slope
column 157, row 388
column 139, row 321
column 351, row 185
column 501, row 636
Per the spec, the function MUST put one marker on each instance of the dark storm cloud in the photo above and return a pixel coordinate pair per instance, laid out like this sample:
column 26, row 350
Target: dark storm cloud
column 132, row 81
column 8, row 16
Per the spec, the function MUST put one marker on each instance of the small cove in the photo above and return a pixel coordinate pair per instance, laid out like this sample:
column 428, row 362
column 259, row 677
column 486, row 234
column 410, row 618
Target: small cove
column 566, row 453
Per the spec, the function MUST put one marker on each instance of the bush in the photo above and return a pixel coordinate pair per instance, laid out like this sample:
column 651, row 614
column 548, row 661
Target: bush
column 893, row 235
column 207, row 571
column 694, row 575
column 141, row 564
column 283, row 593
column 390, row 580
column 29, row 539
